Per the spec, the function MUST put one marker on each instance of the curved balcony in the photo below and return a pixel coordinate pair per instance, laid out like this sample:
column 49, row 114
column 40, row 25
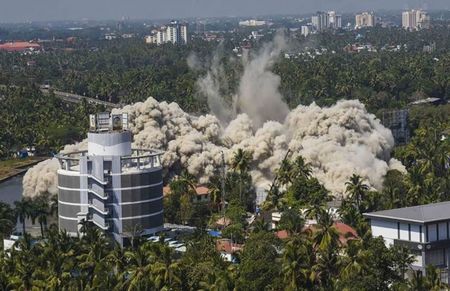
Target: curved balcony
column 140, row 159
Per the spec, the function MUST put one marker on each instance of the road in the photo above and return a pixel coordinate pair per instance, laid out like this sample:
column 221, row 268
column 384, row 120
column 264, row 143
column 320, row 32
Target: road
column 74, row 98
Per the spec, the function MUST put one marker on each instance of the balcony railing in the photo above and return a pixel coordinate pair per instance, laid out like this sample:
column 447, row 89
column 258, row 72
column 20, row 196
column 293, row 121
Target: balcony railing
column 140, row 159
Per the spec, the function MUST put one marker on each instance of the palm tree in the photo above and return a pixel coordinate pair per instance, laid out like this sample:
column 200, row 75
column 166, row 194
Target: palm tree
column 139, row 271
column 240, row 164
column 6, row 219
column 433, row 279
column 260, row 225
column 296, row 265
column 93, row 258
column 40, row 211
column 189, row 184
column 118, row 260
column 356, row 189
column 354, row 262
column 417, row 282
column 216, row 280
column 301, row 168
column 58, row 253
column 22, row 210
column 291, row 221
column 166, row 273
column 284, row 173
column 326, row 235
column 23, row 254
column 216, row 193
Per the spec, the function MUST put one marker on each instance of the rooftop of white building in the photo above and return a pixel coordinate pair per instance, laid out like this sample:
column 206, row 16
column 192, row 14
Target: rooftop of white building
column 422, row 213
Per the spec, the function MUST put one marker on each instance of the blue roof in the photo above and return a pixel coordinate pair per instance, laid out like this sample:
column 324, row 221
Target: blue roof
column 214, row 233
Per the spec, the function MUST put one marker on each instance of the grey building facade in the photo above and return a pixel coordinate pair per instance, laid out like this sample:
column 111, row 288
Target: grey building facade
column 423, row 229
column 117, row 188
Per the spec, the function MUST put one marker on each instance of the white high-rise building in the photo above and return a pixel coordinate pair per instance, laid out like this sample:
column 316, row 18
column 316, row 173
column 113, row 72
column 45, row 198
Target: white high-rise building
column 415, row 19
column 306, row 30
column 320, row 21
column 111, row 185
column 365, row 19
column 175, row 32
column 325, row 20
column 334, row 20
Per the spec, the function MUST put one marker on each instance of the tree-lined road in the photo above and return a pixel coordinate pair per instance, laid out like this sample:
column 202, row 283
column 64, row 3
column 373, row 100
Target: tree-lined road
column 74, row 98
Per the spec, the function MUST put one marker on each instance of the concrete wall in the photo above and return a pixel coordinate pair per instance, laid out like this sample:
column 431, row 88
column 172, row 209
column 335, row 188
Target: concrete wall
column 109, row 144
column 389, row 230
column 385, row 228
column 135, row 198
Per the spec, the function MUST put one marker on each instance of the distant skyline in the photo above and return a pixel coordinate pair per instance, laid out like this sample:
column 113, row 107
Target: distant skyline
column 51, row 10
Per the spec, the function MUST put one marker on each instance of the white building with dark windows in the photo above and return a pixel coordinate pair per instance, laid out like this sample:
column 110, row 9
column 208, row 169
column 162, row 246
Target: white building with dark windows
column 365, row 19
column 175, row 32
column 112, row 185
column 423, row 229
column 320, row 21
column 415, row 20
column 326, row 20
column 334, row 20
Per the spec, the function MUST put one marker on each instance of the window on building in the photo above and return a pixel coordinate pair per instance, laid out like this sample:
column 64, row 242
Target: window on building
column 435, row 257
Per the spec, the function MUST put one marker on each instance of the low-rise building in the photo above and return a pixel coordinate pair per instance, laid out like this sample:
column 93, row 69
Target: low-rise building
column 423, row 229
column 306, row 30
column 20, row 46
column 202, row 194
column 252, row 22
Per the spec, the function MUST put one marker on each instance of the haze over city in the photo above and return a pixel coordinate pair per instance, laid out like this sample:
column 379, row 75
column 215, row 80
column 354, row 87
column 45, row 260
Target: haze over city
column 48, row 10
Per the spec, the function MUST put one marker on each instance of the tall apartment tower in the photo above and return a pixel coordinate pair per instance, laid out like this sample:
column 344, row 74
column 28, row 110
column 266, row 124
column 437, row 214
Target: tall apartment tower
column 324, row 20
column 117, row 188
column 334, row 20
column 320, row 21
column 365, row 19
column 415, row 20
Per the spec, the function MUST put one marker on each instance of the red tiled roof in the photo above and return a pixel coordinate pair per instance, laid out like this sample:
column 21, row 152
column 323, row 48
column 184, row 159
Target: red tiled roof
column 282, row 234
column 223, row 221
column 201, row 190
column 166, row 190
column 18, row 46
column 345, row 231
column 225, row 245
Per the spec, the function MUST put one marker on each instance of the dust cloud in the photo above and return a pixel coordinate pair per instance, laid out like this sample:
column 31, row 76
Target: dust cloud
column 338, row 141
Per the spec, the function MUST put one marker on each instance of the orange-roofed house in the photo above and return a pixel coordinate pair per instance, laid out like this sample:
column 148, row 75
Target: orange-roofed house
column 345, row 231
column 227, row 246
column 20, row 46
column 202, row 194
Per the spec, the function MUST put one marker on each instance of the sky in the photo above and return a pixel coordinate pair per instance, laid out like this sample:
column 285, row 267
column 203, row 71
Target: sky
column 49, row 10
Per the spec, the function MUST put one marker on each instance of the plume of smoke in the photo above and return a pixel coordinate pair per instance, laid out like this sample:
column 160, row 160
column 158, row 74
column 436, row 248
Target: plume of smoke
column 338, row 141
column 212, row 84
column 258, row 94
column 42, row 178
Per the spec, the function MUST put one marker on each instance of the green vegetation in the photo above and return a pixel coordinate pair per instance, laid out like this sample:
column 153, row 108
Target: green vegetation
column 313, row 258
column 11, row 167
column 128, row 70
column 30, row 118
